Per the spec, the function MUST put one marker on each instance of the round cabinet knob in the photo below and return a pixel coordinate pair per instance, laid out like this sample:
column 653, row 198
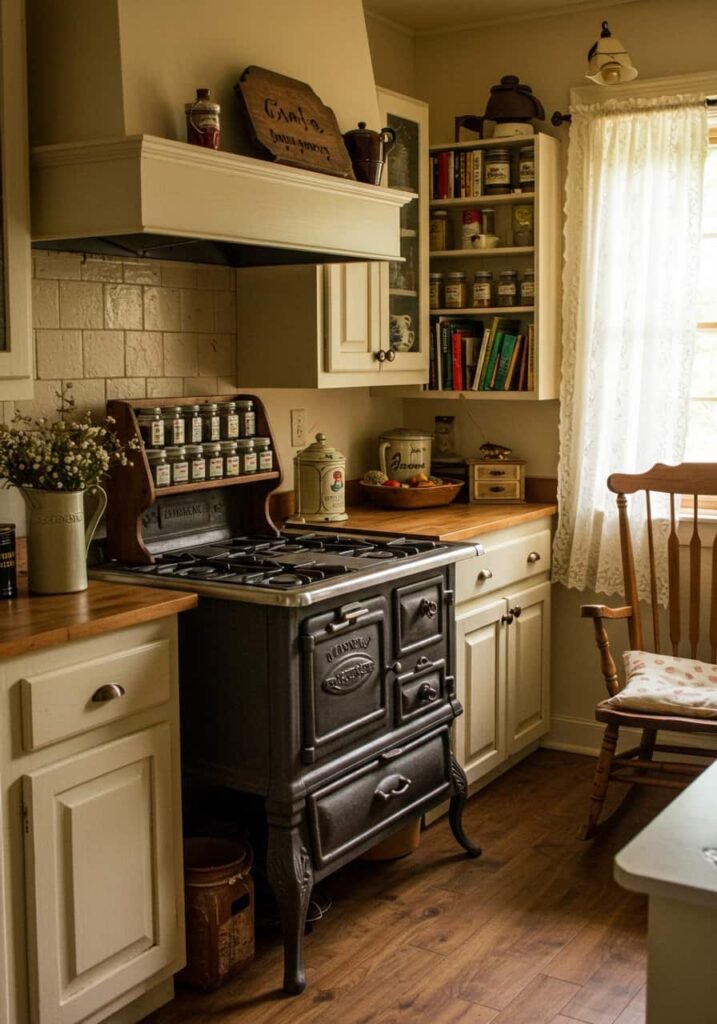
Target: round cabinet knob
column 397, row 667
column 381, row 355
column 484, row 574
column 517, row 611
column 506, row 619
column 534, row 556
column 428, row 608
column 390, row 355
column 110, row 691
column 427, row 693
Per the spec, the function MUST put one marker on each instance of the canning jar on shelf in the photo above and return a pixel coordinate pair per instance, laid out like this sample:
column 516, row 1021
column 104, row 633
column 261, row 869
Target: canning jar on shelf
column 455, row 292
column 507, row 288
column 482, row 289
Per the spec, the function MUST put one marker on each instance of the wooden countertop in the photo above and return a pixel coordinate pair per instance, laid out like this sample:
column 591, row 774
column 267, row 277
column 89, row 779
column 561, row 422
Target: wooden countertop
column 31, row 622
column 449, row 522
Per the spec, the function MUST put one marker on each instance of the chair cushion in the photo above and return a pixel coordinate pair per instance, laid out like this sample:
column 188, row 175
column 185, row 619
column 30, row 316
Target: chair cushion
column 664, row 685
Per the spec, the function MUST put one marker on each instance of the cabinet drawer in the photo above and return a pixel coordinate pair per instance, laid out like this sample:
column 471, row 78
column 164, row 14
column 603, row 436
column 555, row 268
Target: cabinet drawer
column 418, row 615
column 497, row 472
column 400, row 784
column 420, row 691
column 60, row 703
column 503, row 565
column 497, row 490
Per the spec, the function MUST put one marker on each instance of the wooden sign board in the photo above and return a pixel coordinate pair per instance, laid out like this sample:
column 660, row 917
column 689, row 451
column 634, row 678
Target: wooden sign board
column 291, row 124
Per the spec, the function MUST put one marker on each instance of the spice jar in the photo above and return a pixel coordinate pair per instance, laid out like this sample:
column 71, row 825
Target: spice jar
column 178, row 465
column 247, row 418
column 159, row 467
column 230, row 457
column 213, row 458
column 455, row 290
column 526, row 168
column 482, row 289
column 497, row 172
column 173, row 424
column 197, row 465
column 211, row 422
column 435, row 290
column 507, row 288
column 151, row 427
column 523, row 224
column 264, row 454
column 229, row 420
column 192, row 424
column 471, row 227
column 527, row 288
column 247, row 455
column 8, row 568
column 438, row 231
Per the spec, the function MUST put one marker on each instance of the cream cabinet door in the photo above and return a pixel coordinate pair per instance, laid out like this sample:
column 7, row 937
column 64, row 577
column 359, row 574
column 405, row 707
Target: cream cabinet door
column 356, row 310
column 101, row 874
column 528, row 692
column 481, row 648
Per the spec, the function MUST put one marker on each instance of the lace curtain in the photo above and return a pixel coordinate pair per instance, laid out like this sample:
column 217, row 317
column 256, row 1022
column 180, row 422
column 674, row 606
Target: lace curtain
column 633, row 212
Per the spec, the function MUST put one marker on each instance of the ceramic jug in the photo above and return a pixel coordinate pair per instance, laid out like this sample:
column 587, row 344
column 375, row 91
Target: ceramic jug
column 368, row 150
column 58, row 539
column 320, row 483
column 404, row 452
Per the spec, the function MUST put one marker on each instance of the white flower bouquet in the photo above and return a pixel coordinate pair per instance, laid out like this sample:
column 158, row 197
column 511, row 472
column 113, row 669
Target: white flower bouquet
column 67, row 454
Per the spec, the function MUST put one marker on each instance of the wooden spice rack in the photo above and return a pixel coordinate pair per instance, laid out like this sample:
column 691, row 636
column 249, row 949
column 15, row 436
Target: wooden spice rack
column 131, row 490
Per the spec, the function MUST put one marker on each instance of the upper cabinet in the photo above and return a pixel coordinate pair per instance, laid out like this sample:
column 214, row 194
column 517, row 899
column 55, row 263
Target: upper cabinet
column 16, row 363
column 352, row 324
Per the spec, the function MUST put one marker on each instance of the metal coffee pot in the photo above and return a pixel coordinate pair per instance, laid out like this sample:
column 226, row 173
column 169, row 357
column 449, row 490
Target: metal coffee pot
column 368, row 150
column 320, row 473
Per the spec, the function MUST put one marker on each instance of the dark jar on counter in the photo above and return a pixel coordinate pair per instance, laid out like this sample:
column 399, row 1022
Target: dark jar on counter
column 159, row 467
column 173, row 417
column 193, row 424
column 151, row 427
column 264, row 454
column 230, row 456
column 214, row 461
column 197, row 465
column 211, row 422
column 247, row 456
column 247, row 418
column 8, row 566
column 229, row 420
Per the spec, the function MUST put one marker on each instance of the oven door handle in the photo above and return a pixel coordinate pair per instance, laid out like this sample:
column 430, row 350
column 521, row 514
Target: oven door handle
column 351, row 613
column 392, row 786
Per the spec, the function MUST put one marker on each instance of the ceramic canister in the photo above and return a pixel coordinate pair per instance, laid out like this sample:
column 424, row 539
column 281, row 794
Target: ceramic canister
column 321, row 483
column 403, row 452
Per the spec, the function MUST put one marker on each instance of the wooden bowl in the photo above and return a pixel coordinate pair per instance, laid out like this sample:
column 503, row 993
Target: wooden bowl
column 411, row 497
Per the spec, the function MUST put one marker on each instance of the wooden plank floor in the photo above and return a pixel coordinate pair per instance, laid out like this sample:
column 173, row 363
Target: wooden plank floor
column 534, row 932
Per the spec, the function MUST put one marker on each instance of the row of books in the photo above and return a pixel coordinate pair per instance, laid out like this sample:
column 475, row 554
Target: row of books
column 457, row 174
column 465, row 355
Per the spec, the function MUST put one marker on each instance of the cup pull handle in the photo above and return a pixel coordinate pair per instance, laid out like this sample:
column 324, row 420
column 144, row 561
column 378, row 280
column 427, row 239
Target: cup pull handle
column 110, row 691
column 393, row 786
column 534, row 556
column 484, row 574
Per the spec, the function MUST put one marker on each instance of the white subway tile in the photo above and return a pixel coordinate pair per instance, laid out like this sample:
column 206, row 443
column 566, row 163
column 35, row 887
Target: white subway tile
column 123, row 306
column 58, row 265
column 102, row 268
column 59, row 354
column 44, row 402
column 197, row 311
column 126, row 388
column 81, row 304
column 45, row 304
column 200, row 386
column 89, row 397
column 144, row 354
column 141, row 272
column 178, row 275
column 162, row 309
column 180, row 355
column 216, row 355
column 104, row 353
column 225, row 311
column 165, row 387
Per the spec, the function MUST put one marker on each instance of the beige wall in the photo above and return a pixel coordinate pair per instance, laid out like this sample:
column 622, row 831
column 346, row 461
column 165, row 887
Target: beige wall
column 393, row 53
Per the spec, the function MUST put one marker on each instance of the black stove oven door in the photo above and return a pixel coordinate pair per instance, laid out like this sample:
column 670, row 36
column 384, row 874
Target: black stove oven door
column 344, row 686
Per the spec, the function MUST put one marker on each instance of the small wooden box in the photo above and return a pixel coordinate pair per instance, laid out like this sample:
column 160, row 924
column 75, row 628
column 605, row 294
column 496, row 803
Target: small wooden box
column 492, row 481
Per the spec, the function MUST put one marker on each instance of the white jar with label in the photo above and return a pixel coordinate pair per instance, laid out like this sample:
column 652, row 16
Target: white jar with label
column 320, row 483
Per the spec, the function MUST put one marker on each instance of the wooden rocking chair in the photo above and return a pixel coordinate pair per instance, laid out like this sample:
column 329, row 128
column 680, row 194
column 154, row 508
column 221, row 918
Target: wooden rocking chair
column 690, row 707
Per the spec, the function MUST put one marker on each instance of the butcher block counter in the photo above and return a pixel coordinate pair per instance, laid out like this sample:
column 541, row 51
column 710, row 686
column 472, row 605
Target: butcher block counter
column 449, row 522
column 30, row 623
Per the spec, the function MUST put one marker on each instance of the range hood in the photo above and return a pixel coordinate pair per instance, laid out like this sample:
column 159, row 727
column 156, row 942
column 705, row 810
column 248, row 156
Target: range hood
column 158, row 198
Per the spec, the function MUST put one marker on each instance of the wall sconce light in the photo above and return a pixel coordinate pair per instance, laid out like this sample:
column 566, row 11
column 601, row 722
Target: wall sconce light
column 608, row 61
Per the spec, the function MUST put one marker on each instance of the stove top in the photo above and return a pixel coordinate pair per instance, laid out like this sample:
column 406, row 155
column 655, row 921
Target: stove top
column 293, row 567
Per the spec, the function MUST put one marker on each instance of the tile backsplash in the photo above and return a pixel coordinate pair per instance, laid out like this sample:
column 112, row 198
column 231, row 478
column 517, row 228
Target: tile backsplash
column 129, row 328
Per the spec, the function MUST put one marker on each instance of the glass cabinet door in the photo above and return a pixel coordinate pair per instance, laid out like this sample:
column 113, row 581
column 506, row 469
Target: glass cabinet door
column 407, row 169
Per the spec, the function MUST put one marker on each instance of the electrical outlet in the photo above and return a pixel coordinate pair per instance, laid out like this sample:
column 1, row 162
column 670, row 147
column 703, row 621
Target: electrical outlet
column 298, row 427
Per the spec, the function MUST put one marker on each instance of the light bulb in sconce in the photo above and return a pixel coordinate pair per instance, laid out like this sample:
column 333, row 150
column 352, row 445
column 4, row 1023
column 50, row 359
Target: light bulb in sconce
column 609, row 62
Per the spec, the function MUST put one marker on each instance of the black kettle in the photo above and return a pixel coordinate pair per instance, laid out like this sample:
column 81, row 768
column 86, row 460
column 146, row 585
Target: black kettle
column 368, row 150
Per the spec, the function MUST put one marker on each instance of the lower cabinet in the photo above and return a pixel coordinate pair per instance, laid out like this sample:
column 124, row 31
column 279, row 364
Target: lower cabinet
column 503, row 650
column 90, row 769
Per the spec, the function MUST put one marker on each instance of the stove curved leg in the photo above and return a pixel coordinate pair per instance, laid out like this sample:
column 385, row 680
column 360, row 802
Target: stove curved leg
column 455, row 811
column 291, row 877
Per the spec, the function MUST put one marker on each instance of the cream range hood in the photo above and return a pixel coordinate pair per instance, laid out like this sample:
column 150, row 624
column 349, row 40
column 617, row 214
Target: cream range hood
column 160, row 198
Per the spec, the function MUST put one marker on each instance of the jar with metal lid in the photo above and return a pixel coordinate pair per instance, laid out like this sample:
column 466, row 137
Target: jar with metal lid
column 482, row 289
column 247, row 418
column 264, row 454
column 151, row 427
column 523, row 224
column 435, row 290
column 173, row 417
column 214, row 460
column 178, row 465
column 229, row 420
column 159, row 467
column 507, row 288
column 456, row 291
column 527, row 288
column 211, row 422
column 230, row 457
column 197, row 464
column 192, row 424
column 497, row 172
column 438, row 231
column 247, row 455
column 488, row 214
column 526, row 168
